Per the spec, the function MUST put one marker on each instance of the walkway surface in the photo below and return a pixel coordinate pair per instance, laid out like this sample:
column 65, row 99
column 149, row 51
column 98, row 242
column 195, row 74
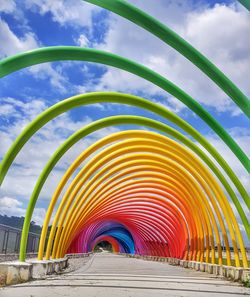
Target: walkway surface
column 108, row 275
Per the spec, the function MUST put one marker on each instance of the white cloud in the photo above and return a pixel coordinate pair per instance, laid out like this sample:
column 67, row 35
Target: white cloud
column 13, row 211
column 6, row 110
column 67, row 12
column 7, row 6
column 9, row 202
column 29, row 109
column 83, row 41
column 55, row 77
column 117, row 80
column 11, row 44
column 12, row 207
column 172, row 104
column 225, row 44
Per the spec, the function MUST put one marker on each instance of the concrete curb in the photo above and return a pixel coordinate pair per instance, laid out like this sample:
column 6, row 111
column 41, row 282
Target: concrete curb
column 41, row 268
column 15, row 272
column 79, row 255
column 228, row 272
column 15, row 257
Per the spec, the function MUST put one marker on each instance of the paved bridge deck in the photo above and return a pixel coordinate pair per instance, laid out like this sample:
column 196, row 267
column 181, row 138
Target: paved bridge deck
column 111, row 275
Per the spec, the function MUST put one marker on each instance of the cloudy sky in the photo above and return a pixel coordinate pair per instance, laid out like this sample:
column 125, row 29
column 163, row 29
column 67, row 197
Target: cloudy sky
column 219, row 29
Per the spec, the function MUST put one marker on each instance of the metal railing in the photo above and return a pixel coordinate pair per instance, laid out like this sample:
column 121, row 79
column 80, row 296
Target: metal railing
column 10, row 240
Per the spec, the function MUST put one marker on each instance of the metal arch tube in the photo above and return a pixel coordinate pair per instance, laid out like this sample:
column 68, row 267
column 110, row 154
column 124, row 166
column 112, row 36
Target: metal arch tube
column 172, row 233
column 222, row 201
column 80, row 186
column 133, row 186
column 100, row 179
column 166, row 181
column 109, row 228
column 145, row 232
column 131, row 229
column 96, row 228
column 161, row 165
column 77, row 247
column 91, row 232
column 58, row 53
column 81, row 238
column 122, row 239
column 146, row 228
column 159, row 182
column 141, row 248
column 174, row 177
column 162, row 160
column 103, row 200
column 145, row 217
column 156, row 188
column 158, row 197
column 171, row 217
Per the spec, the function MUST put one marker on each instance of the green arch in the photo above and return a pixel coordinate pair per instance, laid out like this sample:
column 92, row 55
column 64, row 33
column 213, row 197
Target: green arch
column 245, row 3
column 57, row 53
column 168, row 36
column 92, row 98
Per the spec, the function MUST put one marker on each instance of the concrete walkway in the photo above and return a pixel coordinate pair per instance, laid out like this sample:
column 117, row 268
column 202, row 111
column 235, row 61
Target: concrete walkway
column 111, row 275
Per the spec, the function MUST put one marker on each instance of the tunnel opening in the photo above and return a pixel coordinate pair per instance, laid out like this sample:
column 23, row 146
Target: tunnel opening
column 103, row 246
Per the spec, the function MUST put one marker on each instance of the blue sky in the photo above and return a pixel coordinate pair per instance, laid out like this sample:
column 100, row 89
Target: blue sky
column 219, row 29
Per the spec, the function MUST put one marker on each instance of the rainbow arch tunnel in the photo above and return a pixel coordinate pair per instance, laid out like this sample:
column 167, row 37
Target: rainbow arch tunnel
column 146, row 192
column 115, row 233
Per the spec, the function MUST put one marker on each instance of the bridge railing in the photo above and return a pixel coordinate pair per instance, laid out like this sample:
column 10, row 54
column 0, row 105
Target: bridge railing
column 10, row 242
